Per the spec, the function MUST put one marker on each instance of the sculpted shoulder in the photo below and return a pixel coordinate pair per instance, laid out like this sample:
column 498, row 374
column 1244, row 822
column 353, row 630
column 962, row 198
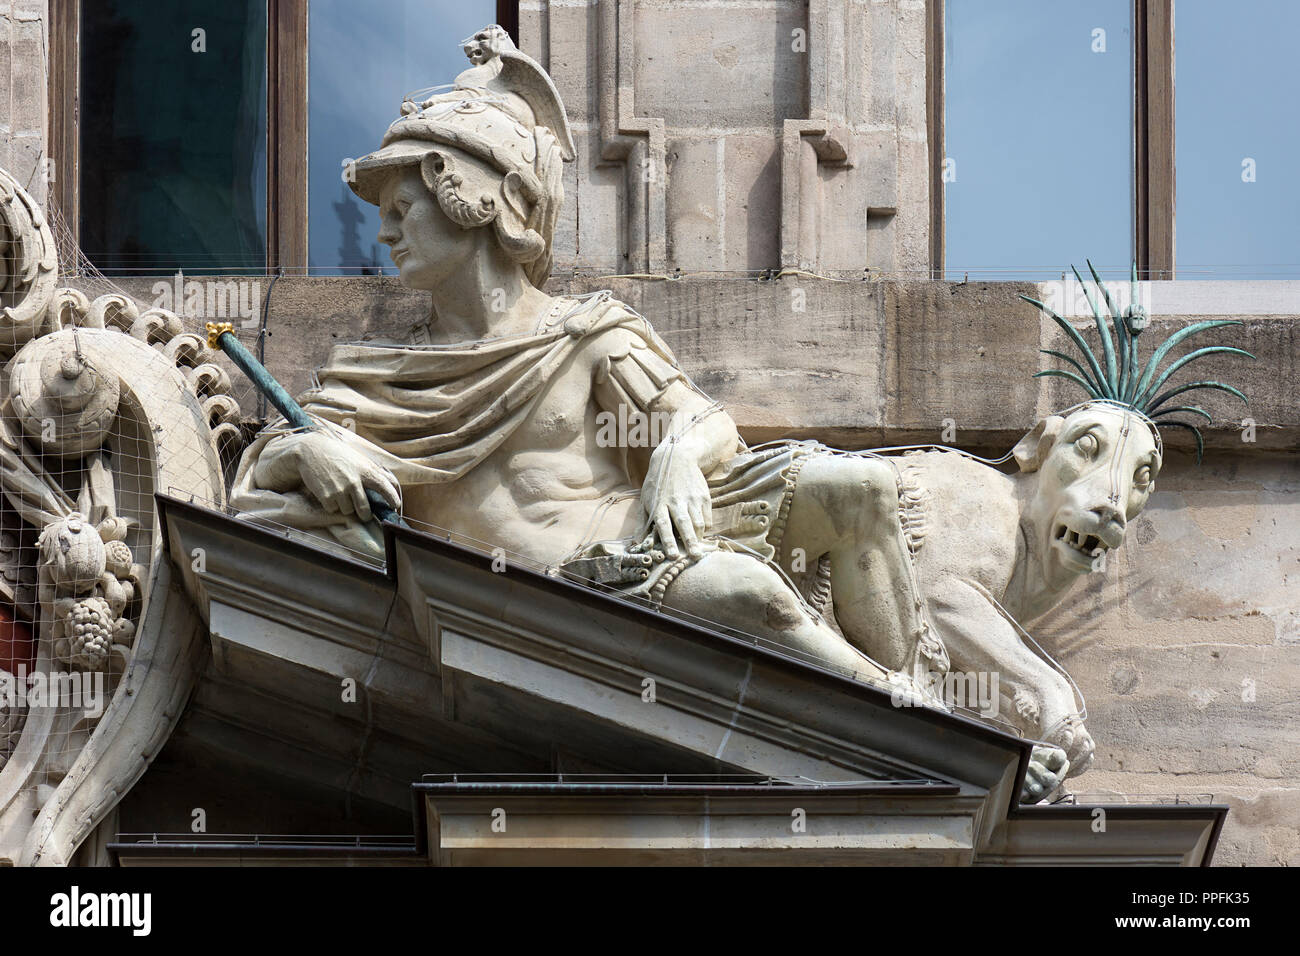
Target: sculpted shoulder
column 963, row 515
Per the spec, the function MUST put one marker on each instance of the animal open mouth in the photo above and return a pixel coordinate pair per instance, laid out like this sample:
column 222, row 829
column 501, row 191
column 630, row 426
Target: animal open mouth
column 1088, row 545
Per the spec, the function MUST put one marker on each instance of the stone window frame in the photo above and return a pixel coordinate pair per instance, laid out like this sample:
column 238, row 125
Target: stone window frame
column 1153, row 136
column 286, row 122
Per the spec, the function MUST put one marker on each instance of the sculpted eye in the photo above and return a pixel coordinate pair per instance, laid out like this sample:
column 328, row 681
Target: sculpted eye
column 1143, row 477
column 1087, row 444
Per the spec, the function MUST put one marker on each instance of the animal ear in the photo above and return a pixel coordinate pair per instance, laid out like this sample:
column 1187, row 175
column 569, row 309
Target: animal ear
column 1035, row 446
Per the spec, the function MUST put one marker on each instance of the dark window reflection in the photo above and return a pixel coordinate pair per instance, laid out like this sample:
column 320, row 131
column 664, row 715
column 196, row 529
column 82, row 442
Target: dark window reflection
column 173, row 140
column 1038, row 136
column 363, row 58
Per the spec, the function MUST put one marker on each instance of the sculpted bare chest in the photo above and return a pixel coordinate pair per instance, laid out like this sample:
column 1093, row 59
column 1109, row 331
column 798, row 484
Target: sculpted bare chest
column 551, row 470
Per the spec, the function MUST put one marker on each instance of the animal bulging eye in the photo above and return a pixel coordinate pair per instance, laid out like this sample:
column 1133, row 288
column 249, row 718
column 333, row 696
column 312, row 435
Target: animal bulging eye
column 1142, row 477
column 1087, row 445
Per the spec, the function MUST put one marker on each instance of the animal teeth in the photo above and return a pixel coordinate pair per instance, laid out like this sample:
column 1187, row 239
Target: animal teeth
column 1088, row 544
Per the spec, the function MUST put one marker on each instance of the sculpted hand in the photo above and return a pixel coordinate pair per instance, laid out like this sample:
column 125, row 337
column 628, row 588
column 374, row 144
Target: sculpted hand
column 675, row 497
column 1047, row 768
column 337, row 475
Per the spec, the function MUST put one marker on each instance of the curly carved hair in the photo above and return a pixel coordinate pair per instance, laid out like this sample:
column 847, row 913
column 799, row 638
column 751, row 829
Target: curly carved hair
column 521, row 207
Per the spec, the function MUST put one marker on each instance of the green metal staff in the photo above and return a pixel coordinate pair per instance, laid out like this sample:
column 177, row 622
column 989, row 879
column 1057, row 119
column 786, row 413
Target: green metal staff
column 222, row 335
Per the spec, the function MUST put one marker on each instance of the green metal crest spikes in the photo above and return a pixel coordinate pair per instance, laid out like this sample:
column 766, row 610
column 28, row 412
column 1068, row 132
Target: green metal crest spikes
column 1117, row 376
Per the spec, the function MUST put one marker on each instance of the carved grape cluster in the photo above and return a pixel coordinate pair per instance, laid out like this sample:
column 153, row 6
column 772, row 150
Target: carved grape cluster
column 90, row 627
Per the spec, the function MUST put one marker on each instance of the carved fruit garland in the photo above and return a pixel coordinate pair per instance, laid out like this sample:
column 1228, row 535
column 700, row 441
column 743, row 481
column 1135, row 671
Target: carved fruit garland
column 59, row 415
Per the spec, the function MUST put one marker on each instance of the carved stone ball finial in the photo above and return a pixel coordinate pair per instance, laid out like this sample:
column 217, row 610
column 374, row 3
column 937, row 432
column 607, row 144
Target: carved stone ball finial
column 65, row 405
column 73, row 366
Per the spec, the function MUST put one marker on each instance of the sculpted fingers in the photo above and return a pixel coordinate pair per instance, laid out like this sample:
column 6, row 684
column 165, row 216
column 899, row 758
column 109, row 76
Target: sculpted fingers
column 706, row 514
column 338, row 482
column 1034, row 783
column 337, row 494
column 702, row 513
column 319, row 488
column 1053, row 760
column 664, row 525
column 685, row 523
column 696, row 512
column 345, row 498
column 358, row 501
column 377, row 479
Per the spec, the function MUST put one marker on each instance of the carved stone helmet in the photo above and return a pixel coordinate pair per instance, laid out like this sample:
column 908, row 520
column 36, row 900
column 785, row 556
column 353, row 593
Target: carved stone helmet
column 490, row 149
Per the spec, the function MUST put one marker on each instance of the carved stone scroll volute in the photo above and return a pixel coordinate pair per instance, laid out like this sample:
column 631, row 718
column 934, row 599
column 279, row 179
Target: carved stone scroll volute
column 104, row 404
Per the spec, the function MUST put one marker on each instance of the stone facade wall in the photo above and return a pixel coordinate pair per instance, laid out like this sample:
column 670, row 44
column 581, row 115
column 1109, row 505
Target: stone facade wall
column 738, row 135
column 708, row 144
column 1187, row 650
column 24, row 66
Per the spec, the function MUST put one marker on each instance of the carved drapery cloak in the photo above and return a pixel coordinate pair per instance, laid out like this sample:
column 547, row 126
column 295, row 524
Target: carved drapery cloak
column 430, row 414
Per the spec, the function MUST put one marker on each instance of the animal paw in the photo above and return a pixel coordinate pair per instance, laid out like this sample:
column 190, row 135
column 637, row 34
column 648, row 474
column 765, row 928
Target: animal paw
column 1047, row 769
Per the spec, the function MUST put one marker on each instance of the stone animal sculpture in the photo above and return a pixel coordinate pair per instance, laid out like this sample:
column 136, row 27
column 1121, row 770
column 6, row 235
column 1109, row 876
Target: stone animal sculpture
column 993, row 549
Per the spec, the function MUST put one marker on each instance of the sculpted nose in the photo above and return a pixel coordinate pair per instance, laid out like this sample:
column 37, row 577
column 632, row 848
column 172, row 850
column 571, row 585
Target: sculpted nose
column 388, row 233
column 1109, row 514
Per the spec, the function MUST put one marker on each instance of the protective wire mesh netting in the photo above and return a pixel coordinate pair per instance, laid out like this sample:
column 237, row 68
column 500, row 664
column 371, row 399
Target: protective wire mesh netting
column 113, row 398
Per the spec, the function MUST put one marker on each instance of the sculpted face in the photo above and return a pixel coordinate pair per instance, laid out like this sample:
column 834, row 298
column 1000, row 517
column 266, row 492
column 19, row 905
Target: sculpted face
column 425, row 245
column 1097, row 469
column 485, row 44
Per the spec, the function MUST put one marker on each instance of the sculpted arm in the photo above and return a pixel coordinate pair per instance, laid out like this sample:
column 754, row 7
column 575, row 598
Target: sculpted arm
column 675, row 495
column 703, row 431
column 696, row 438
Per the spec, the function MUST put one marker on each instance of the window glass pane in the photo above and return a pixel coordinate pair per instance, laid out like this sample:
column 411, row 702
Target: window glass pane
column 173, row 135
column 362, row 59
column 1038, row 137
column 1237, row 136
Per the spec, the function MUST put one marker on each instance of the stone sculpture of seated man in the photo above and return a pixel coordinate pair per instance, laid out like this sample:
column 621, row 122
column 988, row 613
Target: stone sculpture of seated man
column 492, row 430
column 497, row 430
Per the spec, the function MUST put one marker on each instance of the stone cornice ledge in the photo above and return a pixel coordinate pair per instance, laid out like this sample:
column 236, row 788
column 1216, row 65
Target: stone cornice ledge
column 535, row 663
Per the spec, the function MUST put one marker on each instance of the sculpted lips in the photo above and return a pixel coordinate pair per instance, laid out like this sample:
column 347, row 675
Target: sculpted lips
column 1087, row 545
column 398, row 255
